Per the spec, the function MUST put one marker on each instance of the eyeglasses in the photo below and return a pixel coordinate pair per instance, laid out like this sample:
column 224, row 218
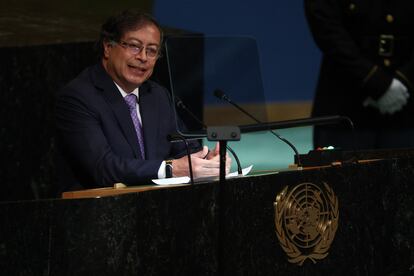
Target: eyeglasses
column 151, row 52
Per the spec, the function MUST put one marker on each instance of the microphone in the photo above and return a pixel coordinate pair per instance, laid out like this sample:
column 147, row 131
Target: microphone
column 179, row 103
column 222, row 96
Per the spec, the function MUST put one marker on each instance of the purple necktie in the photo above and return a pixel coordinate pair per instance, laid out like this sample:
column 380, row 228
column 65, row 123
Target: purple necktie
column 131, row 101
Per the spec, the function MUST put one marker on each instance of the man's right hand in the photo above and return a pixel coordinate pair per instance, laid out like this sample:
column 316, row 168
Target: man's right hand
column 201, row 167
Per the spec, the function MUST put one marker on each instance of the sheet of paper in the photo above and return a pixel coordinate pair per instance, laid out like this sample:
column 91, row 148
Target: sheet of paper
column 245, row 171
column 172, row 180
column 186, row 179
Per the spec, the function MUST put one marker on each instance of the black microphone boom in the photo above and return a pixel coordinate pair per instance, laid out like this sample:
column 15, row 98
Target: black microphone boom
column 222, row 96
column 323, row 120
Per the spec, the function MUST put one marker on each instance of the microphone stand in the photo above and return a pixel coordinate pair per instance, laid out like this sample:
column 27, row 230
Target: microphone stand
column 190, row 166
column 222, row 134
column 180, row 104
column 222, row 96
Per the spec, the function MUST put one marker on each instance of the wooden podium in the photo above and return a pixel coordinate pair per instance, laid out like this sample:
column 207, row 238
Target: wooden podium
column 184, row 230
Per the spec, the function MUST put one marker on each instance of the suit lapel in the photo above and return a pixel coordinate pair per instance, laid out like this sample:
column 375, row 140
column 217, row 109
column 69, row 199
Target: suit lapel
column 114, row 99
column 150, row 115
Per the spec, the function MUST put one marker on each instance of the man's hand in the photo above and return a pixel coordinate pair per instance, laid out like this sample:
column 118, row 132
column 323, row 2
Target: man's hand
column 215, row 154
column 205, row 163
column 393, row 99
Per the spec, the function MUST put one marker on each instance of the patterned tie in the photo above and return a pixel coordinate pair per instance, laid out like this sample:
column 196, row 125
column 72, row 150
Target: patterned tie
column 131, row 101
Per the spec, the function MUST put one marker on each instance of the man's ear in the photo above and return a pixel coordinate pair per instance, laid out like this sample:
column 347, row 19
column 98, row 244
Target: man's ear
column 107, row 46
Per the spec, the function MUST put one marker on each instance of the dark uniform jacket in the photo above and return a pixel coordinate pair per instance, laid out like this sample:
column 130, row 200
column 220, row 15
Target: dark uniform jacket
column 365, row 44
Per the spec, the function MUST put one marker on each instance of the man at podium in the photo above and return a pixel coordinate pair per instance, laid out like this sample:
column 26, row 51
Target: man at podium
column 113, row 122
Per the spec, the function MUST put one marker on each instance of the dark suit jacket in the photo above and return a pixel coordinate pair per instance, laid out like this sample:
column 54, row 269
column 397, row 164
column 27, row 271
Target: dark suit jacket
column 97, row 142
column 348, row 33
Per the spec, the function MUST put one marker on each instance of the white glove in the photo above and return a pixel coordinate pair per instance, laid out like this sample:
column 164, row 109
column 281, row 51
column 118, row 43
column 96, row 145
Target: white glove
column 393, row 99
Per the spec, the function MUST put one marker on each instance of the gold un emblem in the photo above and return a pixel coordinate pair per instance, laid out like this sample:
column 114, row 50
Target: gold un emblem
column 306, row 219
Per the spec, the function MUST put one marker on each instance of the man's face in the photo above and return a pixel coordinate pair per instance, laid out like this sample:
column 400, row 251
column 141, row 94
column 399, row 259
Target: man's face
column 127, row 66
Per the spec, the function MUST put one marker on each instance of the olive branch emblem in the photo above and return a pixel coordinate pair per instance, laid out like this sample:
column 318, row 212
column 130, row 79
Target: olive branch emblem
column 306, row 220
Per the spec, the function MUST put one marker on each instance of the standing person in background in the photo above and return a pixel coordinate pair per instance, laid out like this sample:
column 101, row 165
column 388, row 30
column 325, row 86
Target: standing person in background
column 367, row 71
column 113, row 122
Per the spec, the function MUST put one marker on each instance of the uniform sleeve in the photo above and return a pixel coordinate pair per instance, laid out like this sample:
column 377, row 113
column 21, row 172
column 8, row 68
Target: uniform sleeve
column 325, row 20
column 406, row 73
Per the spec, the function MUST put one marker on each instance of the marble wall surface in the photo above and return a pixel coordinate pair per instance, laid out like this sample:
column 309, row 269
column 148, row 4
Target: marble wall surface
column 29, row 79
column 210, row 229
column 43, row 22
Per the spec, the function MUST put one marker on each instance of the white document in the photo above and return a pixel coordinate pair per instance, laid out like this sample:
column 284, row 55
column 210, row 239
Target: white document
column 186, row 179
column 245, row 171
column 172, row 180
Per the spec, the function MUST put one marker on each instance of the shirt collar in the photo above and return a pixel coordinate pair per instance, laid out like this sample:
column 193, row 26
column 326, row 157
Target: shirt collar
column 123, row 93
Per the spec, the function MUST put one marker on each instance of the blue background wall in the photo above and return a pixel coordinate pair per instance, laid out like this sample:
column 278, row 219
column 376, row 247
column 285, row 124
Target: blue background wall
column 289, row 58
